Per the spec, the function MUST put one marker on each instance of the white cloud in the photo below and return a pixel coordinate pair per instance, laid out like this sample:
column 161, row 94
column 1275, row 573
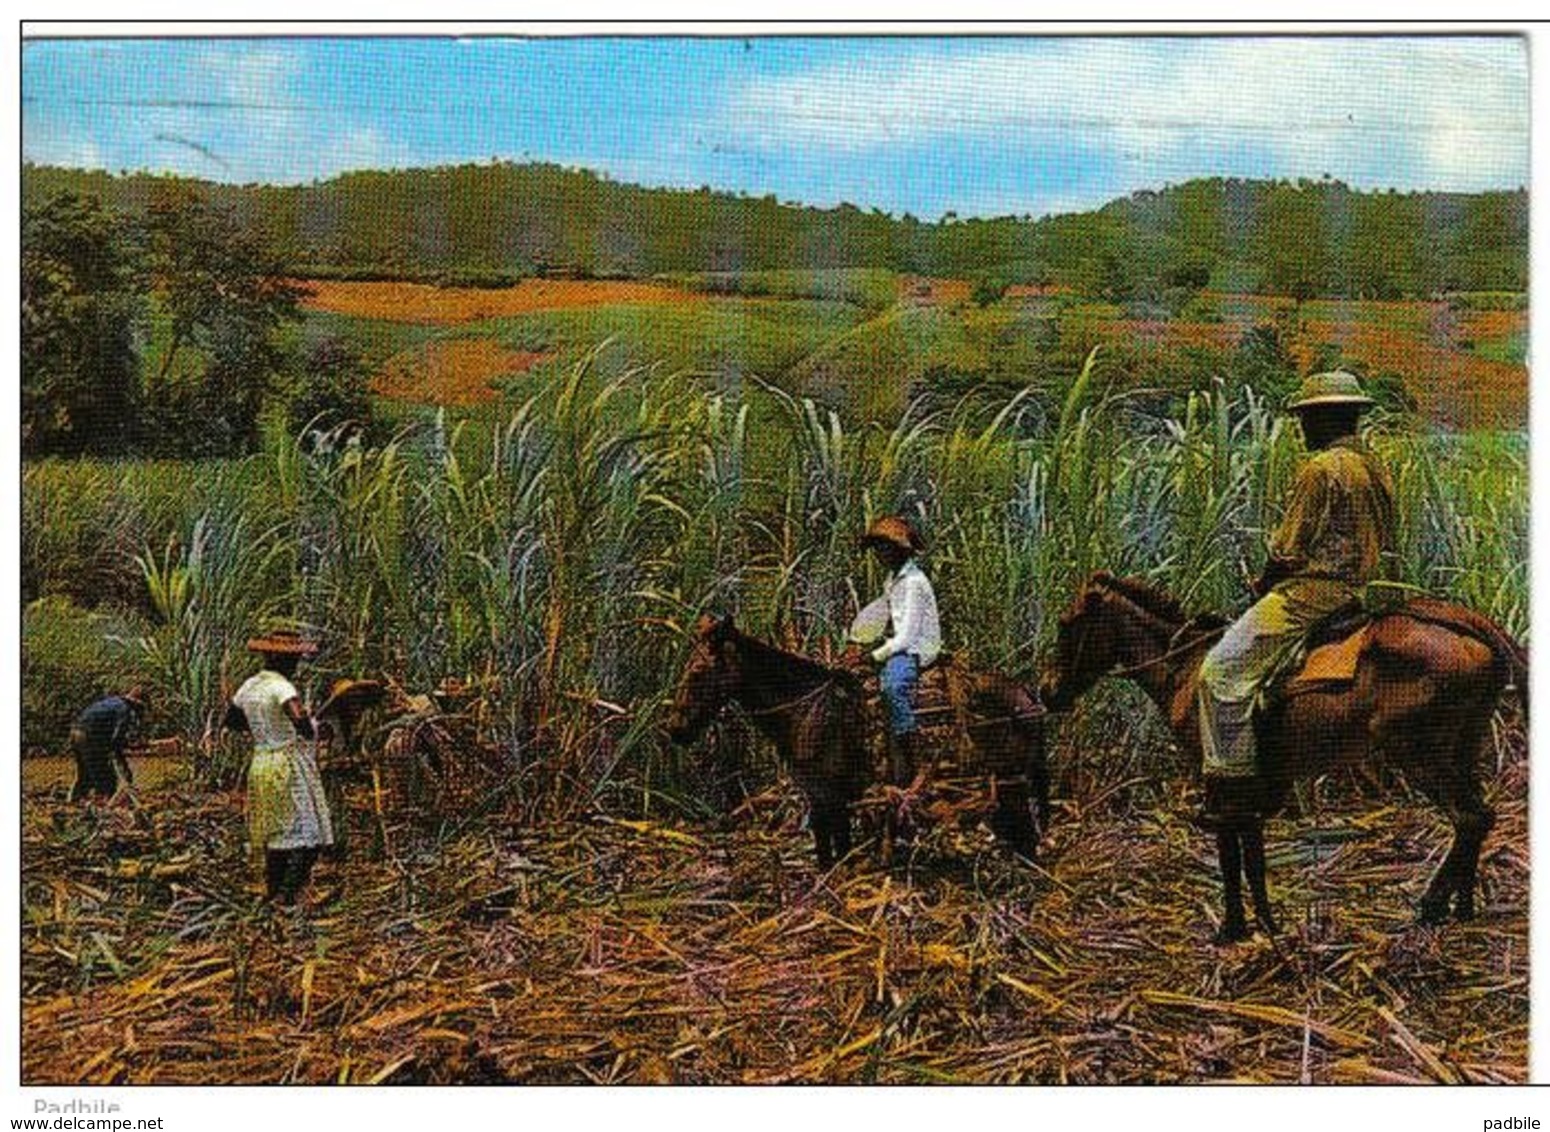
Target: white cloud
column 1448, row 111
column 54, row 147
column 261, row 77
column 357, row 149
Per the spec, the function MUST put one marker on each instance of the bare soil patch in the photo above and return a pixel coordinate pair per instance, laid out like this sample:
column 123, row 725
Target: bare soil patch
column 452, row 371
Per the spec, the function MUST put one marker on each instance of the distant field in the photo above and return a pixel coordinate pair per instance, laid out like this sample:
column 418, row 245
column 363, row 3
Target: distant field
column 457, row 306
column 865, row 341
column 453, row 371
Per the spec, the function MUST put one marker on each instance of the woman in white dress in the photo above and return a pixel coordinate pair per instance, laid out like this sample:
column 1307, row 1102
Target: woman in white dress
column 288, row 814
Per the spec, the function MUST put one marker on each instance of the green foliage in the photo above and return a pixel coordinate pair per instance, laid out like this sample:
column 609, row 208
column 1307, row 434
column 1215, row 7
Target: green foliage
column 225, row 296
column 1488, row 301
column 70, row 657
column 869, row 288
column 1264, row 363
column 85, row 522
column 78, row 329
column 987, row 289
column 208, row 591
column 1509, row 349
column 557, row 554
column 157, row 334
column 330, row 392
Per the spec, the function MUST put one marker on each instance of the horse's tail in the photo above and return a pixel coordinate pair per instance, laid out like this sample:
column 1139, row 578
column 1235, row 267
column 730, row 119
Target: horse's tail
column 1511, row 655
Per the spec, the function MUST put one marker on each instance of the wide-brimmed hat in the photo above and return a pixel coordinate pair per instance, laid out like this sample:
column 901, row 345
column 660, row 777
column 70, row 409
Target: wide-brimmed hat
column 351, row 696
column 135, row 697
column 283, row 642
column 1334, row 388
column 895, row 531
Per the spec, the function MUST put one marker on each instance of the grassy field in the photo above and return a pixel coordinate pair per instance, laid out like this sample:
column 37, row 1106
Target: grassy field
column 545, row 521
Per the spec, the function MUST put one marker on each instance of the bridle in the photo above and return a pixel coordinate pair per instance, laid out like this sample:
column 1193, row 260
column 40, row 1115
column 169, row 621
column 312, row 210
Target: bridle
column 791, row 705
column 1173, row 649
column 794, row 704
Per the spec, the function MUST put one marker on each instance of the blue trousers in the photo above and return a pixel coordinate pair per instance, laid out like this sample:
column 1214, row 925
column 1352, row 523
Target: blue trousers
column 897, row 680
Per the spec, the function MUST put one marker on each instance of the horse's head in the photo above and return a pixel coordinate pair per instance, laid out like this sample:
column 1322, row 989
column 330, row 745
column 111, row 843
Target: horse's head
column 709, row 680
column 1086, row 645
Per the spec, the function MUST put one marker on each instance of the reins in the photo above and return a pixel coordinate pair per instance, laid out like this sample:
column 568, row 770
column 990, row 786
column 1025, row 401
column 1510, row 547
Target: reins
column 792, row 705
column 1173, row 649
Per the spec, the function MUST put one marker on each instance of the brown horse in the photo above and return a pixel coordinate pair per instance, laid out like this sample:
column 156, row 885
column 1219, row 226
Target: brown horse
column 1423, row 693
column 817, row 718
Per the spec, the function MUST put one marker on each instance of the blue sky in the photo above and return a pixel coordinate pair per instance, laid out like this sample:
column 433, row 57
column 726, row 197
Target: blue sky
column 980, row 126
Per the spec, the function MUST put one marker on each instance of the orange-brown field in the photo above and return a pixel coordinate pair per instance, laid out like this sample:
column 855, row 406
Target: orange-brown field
column 426, row 304
column 452, row 371
column 1450, row 385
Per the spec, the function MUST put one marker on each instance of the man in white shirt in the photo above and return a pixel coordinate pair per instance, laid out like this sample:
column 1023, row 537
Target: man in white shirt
column 904, row 621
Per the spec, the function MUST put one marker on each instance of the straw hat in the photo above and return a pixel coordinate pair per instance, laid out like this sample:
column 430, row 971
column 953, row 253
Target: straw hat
column 895, row 531
column 283, row 642
column 1334, row 388
column 352, row 696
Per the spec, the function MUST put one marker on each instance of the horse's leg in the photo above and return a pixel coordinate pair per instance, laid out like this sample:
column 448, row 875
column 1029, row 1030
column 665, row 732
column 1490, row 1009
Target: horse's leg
column 1229, row 854
column 1474, row 818
column 821, row 847
column 1433, row 908
column 1028, row 739
column 1254, row 870
column 1038, row 777
column 840, row 829
column 821, row 815
column 1012, row 822
column 831, row 831
column 1456, row 792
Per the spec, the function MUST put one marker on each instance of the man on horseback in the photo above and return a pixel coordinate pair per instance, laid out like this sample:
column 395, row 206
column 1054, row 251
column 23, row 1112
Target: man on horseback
column 903, row 629
column 1338, row 534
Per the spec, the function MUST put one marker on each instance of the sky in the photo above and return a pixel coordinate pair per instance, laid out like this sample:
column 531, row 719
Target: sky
column 979, row 126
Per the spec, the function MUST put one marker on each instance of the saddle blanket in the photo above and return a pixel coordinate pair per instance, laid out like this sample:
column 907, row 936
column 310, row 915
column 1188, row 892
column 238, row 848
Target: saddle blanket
column 1333, row 663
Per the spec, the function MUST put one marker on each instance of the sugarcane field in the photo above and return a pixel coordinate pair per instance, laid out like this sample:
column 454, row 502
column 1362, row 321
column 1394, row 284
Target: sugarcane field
column 528, row 620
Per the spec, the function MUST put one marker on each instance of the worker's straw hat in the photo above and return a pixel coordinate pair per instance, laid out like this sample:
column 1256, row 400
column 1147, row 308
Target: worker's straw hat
column 895, row 531
column 352, row 696
column 1334, row 388
column 283, row 642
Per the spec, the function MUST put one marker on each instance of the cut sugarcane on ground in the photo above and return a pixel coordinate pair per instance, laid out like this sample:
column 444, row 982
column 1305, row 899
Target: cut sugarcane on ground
column 646, row 951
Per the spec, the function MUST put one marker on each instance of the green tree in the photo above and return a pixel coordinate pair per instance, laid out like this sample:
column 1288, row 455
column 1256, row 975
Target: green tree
column 1384, row 256
column 1292, row 242
column 330, row 391
column 224, row 297
column 78, row 320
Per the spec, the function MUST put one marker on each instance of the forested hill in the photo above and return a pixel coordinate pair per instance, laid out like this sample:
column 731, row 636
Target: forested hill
column 494, row 222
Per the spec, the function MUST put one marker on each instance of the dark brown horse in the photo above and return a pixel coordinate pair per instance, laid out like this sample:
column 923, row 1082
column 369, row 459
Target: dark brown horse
column 818, row 719
column 1423, row 693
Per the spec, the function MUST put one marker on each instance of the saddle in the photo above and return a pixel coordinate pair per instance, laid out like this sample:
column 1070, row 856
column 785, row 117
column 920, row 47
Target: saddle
column 954, row 706
column 1328, row 653
column 1327, row 656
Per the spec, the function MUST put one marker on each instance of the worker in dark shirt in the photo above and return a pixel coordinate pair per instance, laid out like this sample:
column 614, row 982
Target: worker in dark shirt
column 99, row 737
